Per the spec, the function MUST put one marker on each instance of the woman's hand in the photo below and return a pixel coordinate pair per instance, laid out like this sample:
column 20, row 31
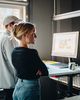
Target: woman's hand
column 39, row 72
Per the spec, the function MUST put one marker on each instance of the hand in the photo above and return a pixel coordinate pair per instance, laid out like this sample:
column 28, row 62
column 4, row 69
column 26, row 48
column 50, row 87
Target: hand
column 39, row 73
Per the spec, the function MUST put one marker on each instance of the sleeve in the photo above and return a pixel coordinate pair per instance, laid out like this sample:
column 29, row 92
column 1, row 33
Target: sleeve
column 41, row 65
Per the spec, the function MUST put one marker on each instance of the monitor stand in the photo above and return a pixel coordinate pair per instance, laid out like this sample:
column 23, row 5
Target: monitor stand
column 71, row 65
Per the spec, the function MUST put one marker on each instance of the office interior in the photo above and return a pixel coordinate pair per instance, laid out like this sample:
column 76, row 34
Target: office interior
column 43, row 14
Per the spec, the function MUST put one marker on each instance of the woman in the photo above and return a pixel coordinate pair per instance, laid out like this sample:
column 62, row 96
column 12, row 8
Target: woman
column 27, row 63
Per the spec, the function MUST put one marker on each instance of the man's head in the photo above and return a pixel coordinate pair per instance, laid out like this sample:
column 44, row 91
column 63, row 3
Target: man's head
column 9, row 22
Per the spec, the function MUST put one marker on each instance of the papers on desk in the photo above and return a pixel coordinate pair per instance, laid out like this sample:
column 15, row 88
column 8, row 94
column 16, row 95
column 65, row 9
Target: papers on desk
column 56, row 64
column 49, row 62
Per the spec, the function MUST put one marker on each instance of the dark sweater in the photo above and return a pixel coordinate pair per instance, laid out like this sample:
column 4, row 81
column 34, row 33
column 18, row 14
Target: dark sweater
column 27, row 62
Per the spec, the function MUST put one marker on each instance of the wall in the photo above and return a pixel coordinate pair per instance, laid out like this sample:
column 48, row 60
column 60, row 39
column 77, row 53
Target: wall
column 41, row 12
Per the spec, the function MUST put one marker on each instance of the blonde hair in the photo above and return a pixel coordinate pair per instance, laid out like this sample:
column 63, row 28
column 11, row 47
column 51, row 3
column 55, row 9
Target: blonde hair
column 22, row 29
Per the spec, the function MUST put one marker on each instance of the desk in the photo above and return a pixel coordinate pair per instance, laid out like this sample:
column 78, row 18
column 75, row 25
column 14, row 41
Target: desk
column 73, row 98
column 57, row 71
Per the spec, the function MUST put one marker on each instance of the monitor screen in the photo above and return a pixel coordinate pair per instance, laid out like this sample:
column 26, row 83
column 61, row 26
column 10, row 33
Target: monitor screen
column 65, row 44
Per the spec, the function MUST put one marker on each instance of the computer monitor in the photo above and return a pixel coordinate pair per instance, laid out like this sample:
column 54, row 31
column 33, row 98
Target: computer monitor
column 65, row 44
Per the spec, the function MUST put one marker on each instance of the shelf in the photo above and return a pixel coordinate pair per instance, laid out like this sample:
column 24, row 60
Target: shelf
column 67, row 15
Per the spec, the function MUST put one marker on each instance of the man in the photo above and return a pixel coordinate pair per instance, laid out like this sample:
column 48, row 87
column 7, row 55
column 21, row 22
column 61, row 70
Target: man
column 7, row 43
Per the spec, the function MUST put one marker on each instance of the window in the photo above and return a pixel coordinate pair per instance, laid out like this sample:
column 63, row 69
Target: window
column 13, row 9
column 20, row 0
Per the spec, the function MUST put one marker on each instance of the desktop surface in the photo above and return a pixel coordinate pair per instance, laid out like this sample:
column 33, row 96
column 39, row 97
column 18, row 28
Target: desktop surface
column 59, row 69
column 73, row 98
column 60, row 72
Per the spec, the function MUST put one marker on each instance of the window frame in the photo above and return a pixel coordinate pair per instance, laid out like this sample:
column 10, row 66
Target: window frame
column 22, row 7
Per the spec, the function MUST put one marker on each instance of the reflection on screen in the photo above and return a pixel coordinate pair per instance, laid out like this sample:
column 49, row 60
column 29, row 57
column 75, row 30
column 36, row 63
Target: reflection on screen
column 65, row 44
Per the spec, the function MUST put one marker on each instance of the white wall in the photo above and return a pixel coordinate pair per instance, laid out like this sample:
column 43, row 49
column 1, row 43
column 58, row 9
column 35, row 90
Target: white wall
column 41, row 12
